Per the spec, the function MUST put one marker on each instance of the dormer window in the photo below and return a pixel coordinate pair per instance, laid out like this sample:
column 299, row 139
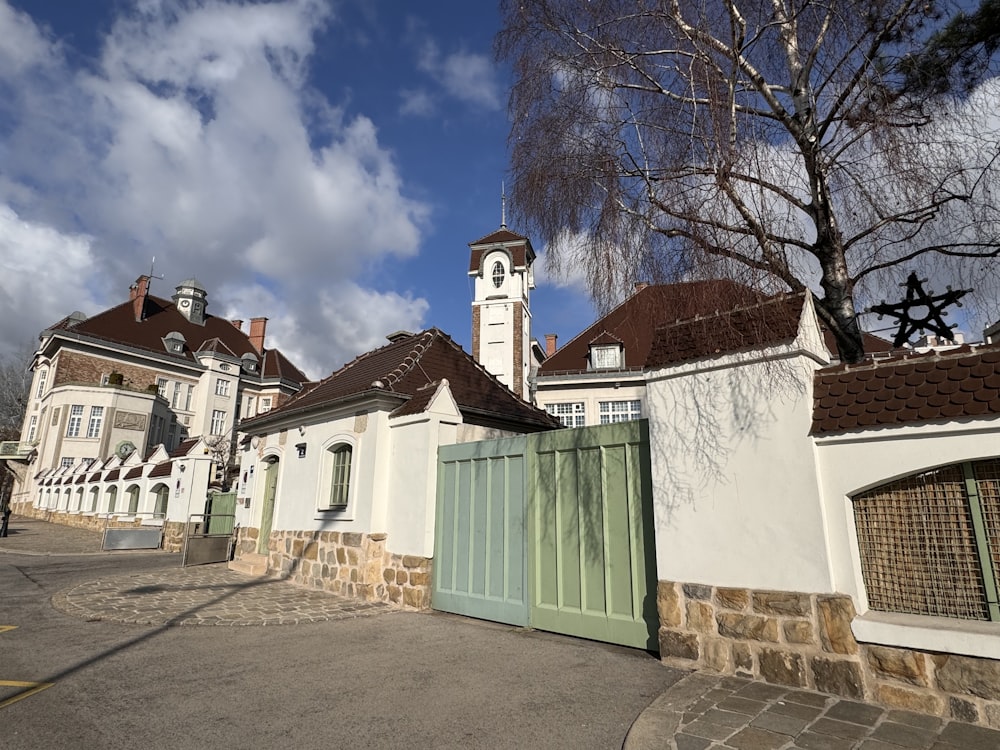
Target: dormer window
column 174, row 342
column 248, row 362
column 498, row 274
column 606, row 356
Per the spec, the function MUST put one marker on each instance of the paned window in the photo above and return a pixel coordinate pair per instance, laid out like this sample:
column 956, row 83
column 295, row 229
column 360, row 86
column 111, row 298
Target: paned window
column 189, row 397
column 66, row 461
column 218, row 421
column 265, row 403
column 619, row 411
column 96, row 421
column 133, row 499
column 222, row 387
column 32, row 428
column 340, row 482
column 498, row 274
column 75, row 420
column 162, row 493
column 176, row 399
column 43, row 375
column 606, row 357
column 570, row 414
column 161, row 387
column 251, row 403
column 930, row 543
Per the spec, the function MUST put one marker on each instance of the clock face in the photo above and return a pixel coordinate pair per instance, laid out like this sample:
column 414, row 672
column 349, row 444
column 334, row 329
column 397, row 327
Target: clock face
column 185, row 303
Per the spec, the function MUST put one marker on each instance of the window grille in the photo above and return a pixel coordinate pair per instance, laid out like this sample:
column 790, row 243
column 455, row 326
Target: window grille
column 570, row 414
column 619, row 411
column 75, row 420
column 922, row 546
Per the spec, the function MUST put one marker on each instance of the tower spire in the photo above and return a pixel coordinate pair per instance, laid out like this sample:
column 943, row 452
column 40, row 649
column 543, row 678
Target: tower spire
column 503, row 206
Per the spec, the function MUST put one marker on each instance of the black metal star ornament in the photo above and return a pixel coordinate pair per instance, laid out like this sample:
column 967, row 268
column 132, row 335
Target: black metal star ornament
column 916, row 297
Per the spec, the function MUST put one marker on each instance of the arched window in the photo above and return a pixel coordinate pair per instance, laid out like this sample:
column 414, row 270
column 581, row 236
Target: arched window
column 340, row 476
column 112, row 495
column 94, row 492
column 930, row 543
column 498, row 274
column 79, row 498
column 162, row 495
column 133, row 499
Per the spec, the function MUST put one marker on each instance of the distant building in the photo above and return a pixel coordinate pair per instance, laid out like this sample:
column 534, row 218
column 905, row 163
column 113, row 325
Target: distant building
column 148, row 372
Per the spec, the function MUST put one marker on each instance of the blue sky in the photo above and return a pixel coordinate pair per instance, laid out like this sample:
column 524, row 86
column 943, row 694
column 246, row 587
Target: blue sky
column 324, row 164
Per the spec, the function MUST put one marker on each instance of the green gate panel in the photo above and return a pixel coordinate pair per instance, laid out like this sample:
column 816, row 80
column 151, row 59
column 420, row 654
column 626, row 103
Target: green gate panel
column 221, row 512
column 591, row 557
column 479, row 553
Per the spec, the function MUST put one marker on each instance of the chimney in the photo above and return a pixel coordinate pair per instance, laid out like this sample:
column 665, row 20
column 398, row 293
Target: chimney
column 550, row 344
column 137, row 296
column 237, row 324
column 257, row 328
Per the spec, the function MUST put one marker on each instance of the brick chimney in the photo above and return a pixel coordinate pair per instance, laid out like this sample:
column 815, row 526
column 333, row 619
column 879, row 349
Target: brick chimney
column 550, row 344
column 137, row 296
column 237, row 324
column 257, row 328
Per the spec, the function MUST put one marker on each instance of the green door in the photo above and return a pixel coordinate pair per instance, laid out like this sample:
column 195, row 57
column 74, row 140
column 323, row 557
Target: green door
column 479, row 554
column 267, row 510
column 591, row 561
column 221, row 510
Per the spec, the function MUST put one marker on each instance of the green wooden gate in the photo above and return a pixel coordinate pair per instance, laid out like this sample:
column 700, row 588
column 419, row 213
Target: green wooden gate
column 479, row 565
column 567, row 512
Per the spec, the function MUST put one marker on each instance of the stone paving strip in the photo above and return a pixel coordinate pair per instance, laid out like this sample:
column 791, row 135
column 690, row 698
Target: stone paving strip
column 712, row 712
column 206, row 595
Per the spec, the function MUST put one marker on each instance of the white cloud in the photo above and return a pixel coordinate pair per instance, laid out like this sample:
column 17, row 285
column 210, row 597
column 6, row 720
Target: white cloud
column 466, row 76
column 190, row 140
column 416, row 102
column 43, row 269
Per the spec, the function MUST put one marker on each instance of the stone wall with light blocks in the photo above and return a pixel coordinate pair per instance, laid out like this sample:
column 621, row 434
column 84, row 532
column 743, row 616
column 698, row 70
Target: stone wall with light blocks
column 805, row 640
column 346, row 563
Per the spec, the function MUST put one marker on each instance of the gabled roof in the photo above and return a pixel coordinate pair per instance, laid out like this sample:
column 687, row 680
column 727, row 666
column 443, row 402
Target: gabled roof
column 634, row 321
column 162, row 469
column 118, row 325
column 951, row 384
column 405, row 370
column 519, row 246
column 184, row 447
column 764, row 324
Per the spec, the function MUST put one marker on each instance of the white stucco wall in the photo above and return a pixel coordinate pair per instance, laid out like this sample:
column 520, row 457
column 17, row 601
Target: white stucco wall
column 736, row 501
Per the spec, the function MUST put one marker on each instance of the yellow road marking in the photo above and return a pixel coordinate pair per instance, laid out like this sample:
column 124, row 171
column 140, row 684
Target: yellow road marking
column 36, row 687
column 5, row 628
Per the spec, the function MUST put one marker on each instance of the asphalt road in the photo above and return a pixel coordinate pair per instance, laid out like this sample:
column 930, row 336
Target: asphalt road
column 395, row 680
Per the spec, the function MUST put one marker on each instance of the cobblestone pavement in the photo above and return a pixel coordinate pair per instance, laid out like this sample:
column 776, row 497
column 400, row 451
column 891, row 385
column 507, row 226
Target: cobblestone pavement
column 711, row 712
column 206, row 595
column 30, row 536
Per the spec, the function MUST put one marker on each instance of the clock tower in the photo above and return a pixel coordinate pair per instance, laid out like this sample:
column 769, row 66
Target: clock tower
column 191, row 300
column 501, row 268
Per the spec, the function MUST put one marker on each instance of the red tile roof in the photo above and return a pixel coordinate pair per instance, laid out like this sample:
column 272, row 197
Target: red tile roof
column 409, row 368
column 118, row 325
column 183, row 448
column 952, row 384
column 634, row 321
column 161, row 470
column 113, row 474
column 768, row 323
column 133, row 473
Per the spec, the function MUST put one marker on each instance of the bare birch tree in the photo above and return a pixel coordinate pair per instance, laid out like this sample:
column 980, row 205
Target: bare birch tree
column 760, row 140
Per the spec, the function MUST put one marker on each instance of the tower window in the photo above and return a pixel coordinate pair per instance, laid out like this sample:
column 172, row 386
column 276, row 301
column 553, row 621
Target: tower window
column 498, row 274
